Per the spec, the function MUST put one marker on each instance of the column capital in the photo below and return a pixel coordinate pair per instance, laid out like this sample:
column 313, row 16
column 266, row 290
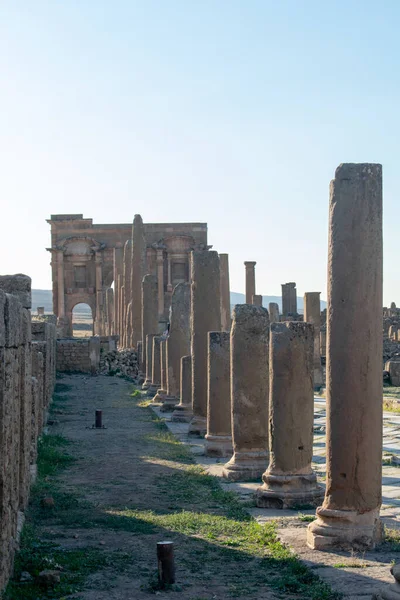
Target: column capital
column 250, row 264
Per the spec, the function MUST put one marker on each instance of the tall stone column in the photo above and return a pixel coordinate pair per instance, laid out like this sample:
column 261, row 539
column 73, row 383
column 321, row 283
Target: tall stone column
column 156, row 367
column 219, row 427
column 289, row 480
column 121, row 314
column 349, row 515
column 162, row 392
column 110, row 310
column 249, row 393
column 289, row 299
column 149, row 310
column 117, row 266
column 183, row 411
column 160, row 280
column 178, row 341
column 99, row 292
column 169, row 284
column 137, row 274
column 60, row 284
column 225, row 292
column 250, row 281
column 312, row 314
column 149, row 360
column 273, row 310
column 322, row 338
column 127, row 290
column 205, row 317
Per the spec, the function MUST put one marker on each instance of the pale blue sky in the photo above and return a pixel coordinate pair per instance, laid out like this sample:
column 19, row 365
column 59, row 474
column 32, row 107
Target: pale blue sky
column 234, row 112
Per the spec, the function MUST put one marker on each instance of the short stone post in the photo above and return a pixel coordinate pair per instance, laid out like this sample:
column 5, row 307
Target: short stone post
column 225, row 292
column 219, row 422
column 349, row 516
column 273, row 309
column 250, row 280
column 312, row 314
column 205, row 317
column 289, row 480
column 249, row 393
column 183, row 411
column 149, row 360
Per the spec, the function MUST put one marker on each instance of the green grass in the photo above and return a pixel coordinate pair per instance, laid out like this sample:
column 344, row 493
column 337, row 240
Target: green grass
column 136, row 394
column 306, row 518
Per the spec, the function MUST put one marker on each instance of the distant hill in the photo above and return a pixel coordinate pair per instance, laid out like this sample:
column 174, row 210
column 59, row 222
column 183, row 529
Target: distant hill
column 44, row 298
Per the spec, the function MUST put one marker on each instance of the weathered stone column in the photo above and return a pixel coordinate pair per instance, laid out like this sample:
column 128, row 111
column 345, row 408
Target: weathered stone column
column 178, row 341
column 257, row 300
column 225, row 292
column 156, row 367
column 169, row 284
column 149, row 310
column 149, row 360
column 322, row 338
column 249, row 393
column 289, row 480
column 273, row 310
column 289, row 299
column 160, row 280
column 349, row 515
column 219, row 422
column 110, row 310
column 205, row 317
column 60, row 284
column 162, row 391
column 183, row 411
column 312, row 314
column 250, row 281
column 137, row 273
column 122, row 316
column 127, row 290
column 117, row 267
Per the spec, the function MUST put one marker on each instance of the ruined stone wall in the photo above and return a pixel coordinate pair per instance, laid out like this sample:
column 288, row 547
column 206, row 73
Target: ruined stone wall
column 79, row 356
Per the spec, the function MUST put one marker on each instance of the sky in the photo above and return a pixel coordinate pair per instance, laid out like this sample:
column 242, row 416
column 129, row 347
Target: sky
column 230, row 112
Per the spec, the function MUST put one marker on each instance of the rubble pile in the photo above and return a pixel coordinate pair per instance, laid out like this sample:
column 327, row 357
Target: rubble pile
column 122, row 364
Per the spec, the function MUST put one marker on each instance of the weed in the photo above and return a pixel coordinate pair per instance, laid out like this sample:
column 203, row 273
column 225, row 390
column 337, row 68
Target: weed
column 306, row 518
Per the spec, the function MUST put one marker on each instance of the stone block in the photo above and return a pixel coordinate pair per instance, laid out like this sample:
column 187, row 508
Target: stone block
column 13, row 321
column 2, row 318
column 19, row 286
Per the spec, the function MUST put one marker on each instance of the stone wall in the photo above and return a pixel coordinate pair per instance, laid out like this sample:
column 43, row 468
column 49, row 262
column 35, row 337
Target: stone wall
column 78, row 356
column 26, row 369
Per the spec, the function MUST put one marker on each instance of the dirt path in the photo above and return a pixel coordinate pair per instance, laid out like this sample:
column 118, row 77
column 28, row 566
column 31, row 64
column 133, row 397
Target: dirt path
column 131, row 485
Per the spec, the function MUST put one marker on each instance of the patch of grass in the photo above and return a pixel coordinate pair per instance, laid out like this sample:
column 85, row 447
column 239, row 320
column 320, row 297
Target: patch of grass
column 388, row 406
column 306, row 518
column 136, row 394
column 391, row 541
column 164, row 445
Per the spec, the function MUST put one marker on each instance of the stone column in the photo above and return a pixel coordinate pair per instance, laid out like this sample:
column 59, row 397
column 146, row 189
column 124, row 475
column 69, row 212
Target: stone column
column 349, row 515
column 312, row 314
column 322, row 337
column 249, row 393
column 117, row 266
column 137, row 274
column 178, row 341
column 160, row 280
column 250, row 281
column 110, row 310
column 122, row 316
column 205, row 317
column 273, row 310
column 225, row 292
column 183, row 411
column 219, row 426
column 99, row 293
column 169, row 284
column 40, row 311
column 289, row 299
column 60, row 284
column 257, row 300
column 149, row 360
column 127, row 290
column 156, row 367
column 289, row 480
column 162, row 392
column 149, row 310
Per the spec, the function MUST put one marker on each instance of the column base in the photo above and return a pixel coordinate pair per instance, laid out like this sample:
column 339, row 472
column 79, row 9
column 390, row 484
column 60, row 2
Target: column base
column 169, row 403
column 345, row 529
column 159, row 397
column 289, row 491
column 182, row 413
column 246, row 466
column 152, row 389
column 218, row 445
column 198, row 426
column 146, row 385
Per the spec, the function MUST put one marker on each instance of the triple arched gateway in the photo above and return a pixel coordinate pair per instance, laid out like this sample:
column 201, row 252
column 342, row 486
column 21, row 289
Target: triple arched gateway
column 87, row 263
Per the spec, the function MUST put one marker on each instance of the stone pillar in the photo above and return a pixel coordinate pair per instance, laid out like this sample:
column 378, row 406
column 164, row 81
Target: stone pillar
column 122, row 317
column 156, row 367
column 178, row 341
column 273, row 310
column 225, row 292
column 312, row 314
column 322, row 337
column 149, row 360
column 250, row 281
column 289, row 299
column 219, row 426
column 127, row 291
column 183, row 411
column 99, row 292
column 249, row 393
column 162, row 392
column 160, row 280
column 169, row 284
column 60, row 284
column 289, row 480
column 110, row 310
column 205, row 317
column 137, row 274
column 257, row 300
column 149, row 310
column 40, row 311
column 349, row 515
column 117, row 266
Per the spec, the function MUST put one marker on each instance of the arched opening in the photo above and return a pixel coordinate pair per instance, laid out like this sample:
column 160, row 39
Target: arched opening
column 82, row 320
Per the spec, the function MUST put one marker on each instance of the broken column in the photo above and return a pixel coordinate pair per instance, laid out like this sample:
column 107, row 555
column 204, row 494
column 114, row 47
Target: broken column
column 273, row 309
column 138, row 267
column 149, row 311
column 289, row 480
column 149, row 360
column 257, row 300
column 40, row 311
column 249, row 393
column 219, row 428
column 250, row 281
column 183, row 411
column 312, row 314
column 225, row 292
column 349, row 515
column 178, row 341
column 205, row 317
column 289, row 299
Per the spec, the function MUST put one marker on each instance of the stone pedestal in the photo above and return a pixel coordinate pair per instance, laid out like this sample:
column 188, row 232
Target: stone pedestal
column 312, row 314
column 219, row 427
column 183, row 411
column 289, row 480
column 250, row 281
column 349, row 516
column 225, row 292
column 205, row 317
column 149, row 360
column 273, row 310
column 249, row 393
